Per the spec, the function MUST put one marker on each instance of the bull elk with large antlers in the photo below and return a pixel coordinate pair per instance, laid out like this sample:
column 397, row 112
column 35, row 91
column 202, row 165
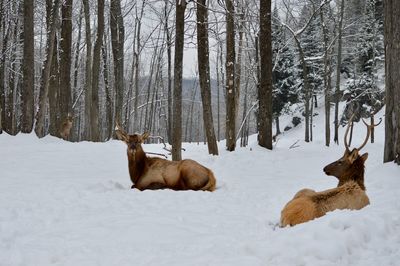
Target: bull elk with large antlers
column 350, row 193
column 156, row 173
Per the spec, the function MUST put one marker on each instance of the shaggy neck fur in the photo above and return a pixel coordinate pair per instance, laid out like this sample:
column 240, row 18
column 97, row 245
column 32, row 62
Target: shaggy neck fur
column 354, row 173
column 137, row 163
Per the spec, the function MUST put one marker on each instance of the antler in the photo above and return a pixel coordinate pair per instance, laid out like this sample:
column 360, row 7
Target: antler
column 368, row 133
column 350, row 124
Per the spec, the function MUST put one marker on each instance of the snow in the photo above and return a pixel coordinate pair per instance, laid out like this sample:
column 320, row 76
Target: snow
column 67, row 203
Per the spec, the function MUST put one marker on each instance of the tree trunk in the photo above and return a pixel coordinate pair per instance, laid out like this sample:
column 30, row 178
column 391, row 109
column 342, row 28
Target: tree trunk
column 94, row 112
column 44, row 81
column 339, row 62
column 76, row 93
column 230, row 77
column 327, row 80
column 392, row 55
column 2, row 69
column 65, row 59
column 238, row 68
column 88, row 72
column 204, row 75
column 177, row 117
column 169, row 70
column 108, row 92
column 12, row 83
column 28, row 69
column 117, row 42
column 54, row 91
column 265, row 90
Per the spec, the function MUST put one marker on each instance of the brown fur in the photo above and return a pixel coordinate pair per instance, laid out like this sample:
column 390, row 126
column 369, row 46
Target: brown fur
column 350, row 194
column 65, row 127
column 156, row 173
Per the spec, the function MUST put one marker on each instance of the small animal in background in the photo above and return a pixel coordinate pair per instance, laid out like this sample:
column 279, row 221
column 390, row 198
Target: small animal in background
column 308, row 204
column 65, row 128
column 156, row 173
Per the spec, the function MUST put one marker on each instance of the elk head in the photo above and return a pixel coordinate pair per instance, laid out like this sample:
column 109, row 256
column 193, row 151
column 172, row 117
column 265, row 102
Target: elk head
column 133, row 142
column 351, row 165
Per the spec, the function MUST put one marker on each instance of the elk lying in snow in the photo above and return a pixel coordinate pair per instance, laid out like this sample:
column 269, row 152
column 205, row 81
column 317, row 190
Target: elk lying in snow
column 157, row 173
column 350, row 193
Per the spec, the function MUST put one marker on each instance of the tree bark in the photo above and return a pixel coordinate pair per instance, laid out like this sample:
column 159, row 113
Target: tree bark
column 204, row 75
column 177, row 116
column 94, row 112
column 265, row 90
column 65, row 59
column 339, row 62
column 28, row 69
column 327, row 79
column 169, row 70
column 117, row 42
column 230, row 77
column 88, row 72
column 392, row 79
column 44, row 81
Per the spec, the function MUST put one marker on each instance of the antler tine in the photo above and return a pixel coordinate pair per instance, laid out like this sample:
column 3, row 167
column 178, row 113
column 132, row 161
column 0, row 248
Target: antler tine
column 380, row 121
column 350, row 124
column 368, row 133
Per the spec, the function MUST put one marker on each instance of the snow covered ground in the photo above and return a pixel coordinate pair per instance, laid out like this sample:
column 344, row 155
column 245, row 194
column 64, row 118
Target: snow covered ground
column 71, row 204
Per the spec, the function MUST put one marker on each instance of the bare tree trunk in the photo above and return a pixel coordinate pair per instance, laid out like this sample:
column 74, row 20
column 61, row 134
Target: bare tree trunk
column 265, row 90
column 204, row 75
column 65, row 59
column 177, row 117
column 54, row 91
column 109, row 106
column 117, row 41
column 44, row 81
column 28, row 69
column 2, row 103
column 169, row 69
column 392, row 55
column 339, row 62
column 94, row 112
column 230, row 77
column 327, row 80
column 218, row 93
column 6, row 37
column 76, row 94
column 88, row 72
column 238, row 68
column 12, row 83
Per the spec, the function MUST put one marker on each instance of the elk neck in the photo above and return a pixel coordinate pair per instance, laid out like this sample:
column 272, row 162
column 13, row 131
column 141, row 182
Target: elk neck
column 137, row 163
column 354, row 173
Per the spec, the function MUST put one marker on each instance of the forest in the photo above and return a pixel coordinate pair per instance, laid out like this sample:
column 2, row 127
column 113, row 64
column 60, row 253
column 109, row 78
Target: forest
column 227, row 132
column 191, row 71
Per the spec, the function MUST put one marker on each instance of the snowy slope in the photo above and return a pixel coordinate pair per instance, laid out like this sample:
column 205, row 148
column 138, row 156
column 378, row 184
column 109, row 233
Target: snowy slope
column 70, row 204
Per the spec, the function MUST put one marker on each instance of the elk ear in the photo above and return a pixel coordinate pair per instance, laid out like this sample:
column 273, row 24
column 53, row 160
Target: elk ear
column 364, row 157
column 145, row 135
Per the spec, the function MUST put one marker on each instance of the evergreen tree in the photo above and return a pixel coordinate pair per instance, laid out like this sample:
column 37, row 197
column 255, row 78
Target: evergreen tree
column 283, row 72
column 363, row 95
column 313, row 51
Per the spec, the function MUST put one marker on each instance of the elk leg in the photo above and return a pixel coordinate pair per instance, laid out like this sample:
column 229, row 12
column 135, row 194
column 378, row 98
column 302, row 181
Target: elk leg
column 156, row 185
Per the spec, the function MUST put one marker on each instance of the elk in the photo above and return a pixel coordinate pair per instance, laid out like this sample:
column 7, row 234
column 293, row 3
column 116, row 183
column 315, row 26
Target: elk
column 156, row 173
column 308, row 204
column 65, row 127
